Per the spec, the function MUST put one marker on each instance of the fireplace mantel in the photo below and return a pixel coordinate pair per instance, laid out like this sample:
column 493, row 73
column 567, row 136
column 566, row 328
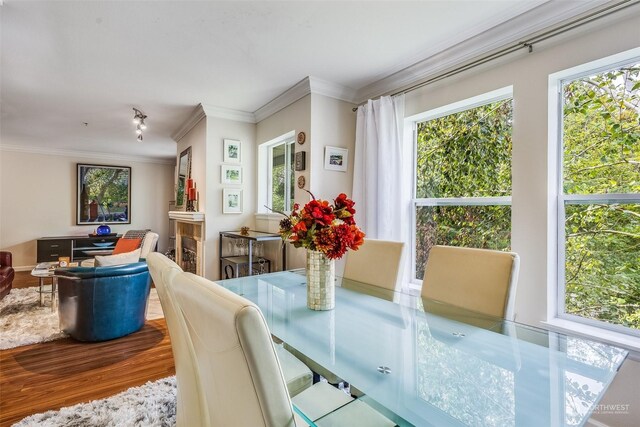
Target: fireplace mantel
column 187, row 216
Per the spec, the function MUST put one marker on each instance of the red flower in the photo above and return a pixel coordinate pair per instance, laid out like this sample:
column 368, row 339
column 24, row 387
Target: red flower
column 316, row 227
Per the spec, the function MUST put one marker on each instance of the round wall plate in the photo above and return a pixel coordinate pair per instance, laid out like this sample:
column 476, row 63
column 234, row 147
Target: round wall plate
column 301, row 181
column 301, row 138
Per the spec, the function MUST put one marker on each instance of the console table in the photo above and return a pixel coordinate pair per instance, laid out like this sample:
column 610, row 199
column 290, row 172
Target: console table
column 76, row 248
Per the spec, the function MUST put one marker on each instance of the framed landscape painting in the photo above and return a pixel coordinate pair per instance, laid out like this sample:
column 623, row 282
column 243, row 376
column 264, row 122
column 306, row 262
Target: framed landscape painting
column 335, row 158
column 103, row 195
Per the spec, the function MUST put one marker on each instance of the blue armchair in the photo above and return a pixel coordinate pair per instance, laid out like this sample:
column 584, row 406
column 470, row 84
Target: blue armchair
column 103, row 303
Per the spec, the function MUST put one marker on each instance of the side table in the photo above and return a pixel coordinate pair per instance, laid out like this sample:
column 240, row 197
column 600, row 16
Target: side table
column 43, row 274
column 249, row 259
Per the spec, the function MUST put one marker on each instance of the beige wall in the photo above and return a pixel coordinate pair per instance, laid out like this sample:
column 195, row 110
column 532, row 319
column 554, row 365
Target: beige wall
column 533, row 233
column 216, row 221
column 325, row 121
column 39, row 199
column 333, row 123
column 533, row 211
column 295, row 117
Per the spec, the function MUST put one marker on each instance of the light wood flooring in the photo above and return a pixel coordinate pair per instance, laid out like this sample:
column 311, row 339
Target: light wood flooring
column 39, row 377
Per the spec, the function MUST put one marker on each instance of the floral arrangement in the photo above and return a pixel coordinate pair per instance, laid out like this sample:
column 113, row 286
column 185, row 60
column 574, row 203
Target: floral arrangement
column 320, row 226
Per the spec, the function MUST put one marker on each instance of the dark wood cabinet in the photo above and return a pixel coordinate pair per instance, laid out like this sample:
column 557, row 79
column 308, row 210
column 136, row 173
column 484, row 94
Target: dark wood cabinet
column 76, row 248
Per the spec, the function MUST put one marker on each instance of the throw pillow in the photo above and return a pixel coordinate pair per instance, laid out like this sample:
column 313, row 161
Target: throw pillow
column 126, row 245
column 125, row 258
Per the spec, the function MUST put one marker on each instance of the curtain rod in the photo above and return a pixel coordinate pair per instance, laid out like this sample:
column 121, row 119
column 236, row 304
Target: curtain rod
column 594, row 16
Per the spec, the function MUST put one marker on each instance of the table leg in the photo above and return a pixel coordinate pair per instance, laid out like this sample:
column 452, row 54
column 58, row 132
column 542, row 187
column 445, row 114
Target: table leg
column 250, row 258
column 41, row 282
column 54, row 293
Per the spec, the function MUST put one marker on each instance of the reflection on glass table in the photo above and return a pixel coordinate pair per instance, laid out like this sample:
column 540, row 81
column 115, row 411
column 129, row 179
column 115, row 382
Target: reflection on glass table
column 431, row 364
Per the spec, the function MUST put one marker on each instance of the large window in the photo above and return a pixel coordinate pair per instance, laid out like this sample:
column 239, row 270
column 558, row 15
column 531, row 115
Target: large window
column 463, row 176
column 276, row 169
column 599, row 196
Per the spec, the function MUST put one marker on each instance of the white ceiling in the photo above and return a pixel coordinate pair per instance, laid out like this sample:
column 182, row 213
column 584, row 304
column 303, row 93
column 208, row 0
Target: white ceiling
column 65, row 63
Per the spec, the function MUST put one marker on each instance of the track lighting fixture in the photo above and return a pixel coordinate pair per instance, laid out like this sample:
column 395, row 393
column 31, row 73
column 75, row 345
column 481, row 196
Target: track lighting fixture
column 138, row 120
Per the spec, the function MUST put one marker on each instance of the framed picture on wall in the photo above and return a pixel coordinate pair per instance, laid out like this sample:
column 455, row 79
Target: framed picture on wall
column 103, row 195
column 231, row 201
column 231, row 151
column 231, row 174
column 335, row 158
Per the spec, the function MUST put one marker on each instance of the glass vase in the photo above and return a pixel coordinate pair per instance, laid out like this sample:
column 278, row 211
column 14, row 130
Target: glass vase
column 321, row 274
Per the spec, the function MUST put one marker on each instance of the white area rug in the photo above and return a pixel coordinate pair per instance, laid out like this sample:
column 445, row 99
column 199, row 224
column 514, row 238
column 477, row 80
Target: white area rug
column 23, row 321
column 152, row 404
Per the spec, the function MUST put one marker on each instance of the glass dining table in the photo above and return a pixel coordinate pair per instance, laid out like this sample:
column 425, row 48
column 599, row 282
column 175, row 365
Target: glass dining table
column 424, row 363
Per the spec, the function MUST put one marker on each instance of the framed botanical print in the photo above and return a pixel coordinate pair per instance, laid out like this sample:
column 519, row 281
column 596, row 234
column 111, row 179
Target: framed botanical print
column 231, row 151
column 231, row 174
column 231, row 201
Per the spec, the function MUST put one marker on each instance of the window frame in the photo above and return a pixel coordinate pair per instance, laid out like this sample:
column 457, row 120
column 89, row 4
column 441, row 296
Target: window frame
column 412, row 123
column 557, row 289
column 265, row 170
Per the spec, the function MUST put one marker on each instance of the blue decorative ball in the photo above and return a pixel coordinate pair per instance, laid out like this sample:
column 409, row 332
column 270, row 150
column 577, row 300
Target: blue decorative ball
column 103, row 229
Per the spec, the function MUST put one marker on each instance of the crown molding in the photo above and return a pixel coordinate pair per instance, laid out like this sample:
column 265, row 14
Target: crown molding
column 205, row 110
column 520, row 27
column 228, row 114
column 286, row 98
column 85, row 154
column 304, row 87
column 195, row 116
column 332, row 90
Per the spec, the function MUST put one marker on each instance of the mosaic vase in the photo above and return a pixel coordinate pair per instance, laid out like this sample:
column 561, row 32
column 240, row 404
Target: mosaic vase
column 321, row 274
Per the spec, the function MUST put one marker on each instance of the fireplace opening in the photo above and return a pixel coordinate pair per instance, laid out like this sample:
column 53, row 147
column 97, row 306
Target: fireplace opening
column 189, row 254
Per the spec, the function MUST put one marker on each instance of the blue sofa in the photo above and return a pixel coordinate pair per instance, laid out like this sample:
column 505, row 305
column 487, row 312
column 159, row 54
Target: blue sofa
column 103, row 303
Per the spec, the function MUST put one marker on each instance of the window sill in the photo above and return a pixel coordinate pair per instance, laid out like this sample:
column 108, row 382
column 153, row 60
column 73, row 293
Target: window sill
column 618, row 339
column 269, row 216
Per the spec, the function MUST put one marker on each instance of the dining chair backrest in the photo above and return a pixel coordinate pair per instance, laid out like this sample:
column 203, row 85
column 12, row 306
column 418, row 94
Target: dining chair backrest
column 480, row 280
column 377, row 263
column 240, row 377
column 189, row 404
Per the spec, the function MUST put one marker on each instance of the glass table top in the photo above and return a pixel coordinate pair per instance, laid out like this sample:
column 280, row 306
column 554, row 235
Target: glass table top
column 433, row 364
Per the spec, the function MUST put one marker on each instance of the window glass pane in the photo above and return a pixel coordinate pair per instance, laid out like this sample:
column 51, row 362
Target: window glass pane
column 278, row 177
column 487, row 227
column 601, row 129
column 466, row 154
column 602, row 268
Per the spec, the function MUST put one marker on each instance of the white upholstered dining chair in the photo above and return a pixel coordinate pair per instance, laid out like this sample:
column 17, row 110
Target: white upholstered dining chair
column 241, row 380
column 479, row 280
column 189, row 409
column 377, row 263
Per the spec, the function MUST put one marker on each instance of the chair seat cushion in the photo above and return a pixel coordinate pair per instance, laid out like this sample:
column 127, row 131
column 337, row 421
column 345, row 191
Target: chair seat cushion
column 320, row 399
column 297, row 375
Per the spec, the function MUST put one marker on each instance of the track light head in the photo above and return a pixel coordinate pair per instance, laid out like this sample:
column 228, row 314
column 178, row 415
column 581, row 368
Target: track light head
column 138, row 120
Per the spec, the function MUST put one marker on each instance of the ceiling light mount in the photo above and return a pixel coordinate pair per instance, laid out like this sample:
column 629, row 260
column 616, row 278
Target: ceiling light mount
column 138, row 120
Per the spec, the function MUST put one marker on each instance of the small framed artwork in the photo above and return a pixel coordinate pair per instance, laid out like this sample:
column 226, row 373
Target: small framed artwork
column 231, row 151
column 301, row 163
column 335, row 158
column 231, row 174
column 231, row 201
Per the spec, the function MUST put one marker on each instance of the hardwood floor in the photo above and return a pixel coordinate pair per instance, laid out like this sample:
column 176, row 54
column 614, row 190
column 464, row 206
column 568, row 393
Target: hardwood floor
column 51, row 375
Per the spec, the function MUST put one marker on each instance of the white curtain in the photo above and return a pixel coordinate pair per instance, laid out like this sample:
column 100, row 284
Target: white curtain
column 382, row 174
